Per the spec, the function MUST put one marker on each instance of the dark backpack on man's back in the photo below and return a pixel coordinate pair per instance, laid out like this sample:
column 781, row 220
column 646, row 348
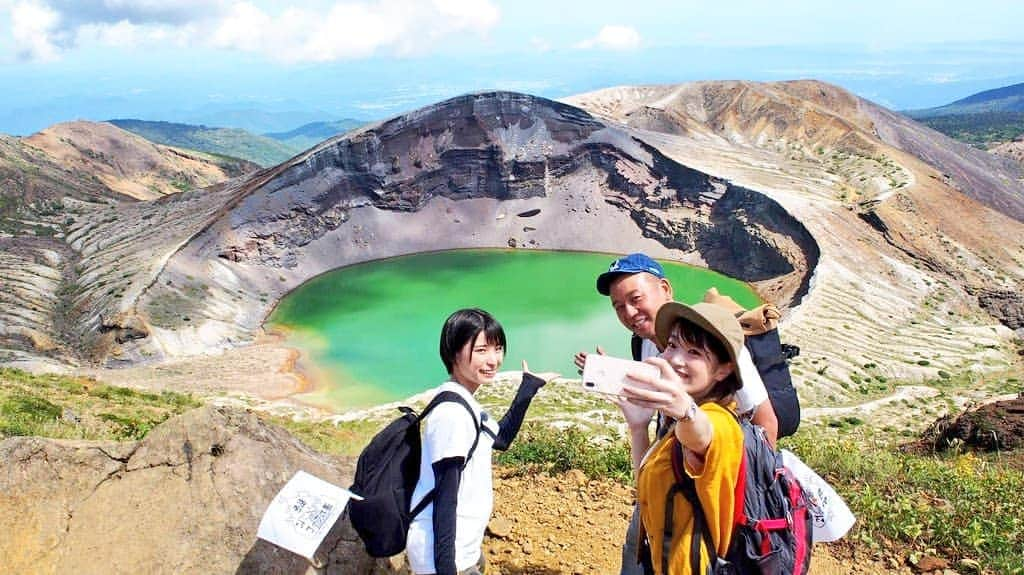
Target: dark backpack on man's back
column 771, row 357
column 386, row 476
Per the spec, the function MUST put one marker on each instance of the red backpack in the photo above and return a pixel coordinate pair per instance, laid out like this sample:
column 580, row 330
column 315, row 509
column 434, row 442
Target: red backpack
column 772, row 524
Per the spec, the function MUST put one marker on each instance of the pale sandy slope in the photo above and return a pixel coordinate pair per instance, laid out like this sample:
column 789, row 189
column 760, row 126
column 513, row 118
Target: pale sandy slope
column 871, row 303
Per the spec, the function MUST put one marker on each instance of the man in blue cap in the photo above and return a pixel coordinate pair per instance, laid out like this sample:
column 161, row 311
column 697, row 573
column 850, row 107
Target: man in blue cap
column 637, row 287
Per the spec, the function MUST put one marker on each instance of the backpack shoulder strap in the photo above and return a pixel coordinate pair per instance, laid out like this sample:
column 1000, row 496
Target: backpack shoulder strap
column 636, row 346
column 439, row 399
column 456, row 398
column 685, row 485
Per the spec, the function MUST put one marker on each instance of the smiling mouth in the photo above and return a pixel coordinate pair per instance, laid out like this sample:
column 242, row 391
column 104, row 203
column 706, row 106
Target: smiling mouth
column 488, row 373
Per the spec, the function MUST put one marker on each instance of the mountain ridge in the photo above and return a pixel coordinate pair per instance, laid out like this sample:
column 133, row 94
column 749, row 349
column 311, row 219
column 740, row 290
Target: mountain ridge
column 231, row 142
column 1003, row 99
column 770, row 182
column 308, row 135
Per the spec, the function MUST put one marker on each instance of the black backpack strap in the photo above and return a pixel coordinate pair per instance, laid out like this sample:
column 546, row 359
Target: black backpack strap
column 701, row 534
column 438, row 400
column 636, row 345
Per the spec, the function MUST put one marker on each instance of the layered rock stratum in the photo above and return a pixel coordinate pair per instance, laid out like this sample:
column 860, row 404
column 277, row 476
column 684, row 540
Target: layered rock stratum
column 887, row 243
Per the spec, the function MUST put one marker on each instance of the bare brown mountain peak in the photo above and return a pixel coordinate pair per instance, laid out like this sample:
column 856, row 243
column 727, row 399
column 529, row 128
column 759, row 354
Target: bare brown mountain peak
column 815, row 120
column 782, row 184
column 738, row 110
column 129, row 164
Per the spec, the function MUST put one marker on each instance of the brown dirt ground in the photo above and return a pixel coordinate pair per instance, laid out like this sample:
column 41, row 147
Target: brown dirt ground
column 569, row 525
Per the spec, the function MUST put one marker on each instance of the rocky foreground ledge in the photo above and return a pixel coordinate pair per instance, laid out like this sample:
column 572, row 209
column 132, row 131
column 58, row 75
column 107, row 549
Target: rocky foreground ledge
column 187, row 498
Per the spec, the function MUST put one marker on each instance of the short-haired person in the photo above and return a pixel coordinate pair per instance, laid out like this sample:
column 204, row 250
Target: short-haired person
column 637, row 287
column 696, row 388
column 446, row 537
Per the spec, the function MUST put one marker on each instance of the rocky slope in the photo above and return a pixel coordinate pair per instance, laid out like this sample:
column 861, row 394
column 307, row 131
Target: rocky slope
column 69, row 207
column 870, row 230
column 452, row 176
column 905, row 250
column 1012, row 150
column 128, row 164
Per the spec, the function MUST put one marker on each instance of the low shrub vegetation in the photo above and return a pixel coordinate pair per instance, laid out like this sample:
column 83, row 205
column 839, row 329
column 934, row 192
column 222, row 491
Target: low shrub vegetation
column 542, row 448
column 79, row 408
column 962, row 505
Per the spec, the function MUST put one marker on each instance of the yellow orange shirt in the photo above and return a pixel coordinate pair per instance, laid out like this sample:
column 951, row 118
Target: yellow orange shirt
column 716, row 485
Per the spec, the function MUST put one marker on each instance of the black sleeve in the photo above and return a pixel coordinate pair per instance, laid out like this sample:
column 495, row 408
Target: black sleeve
column 509, row 425
column 447, row 474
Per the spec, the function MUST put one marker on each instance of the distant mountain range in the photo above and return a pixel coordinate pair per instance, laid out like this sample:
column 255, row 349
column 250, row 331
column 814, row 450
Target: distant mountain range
column 265, row 150
column 309, row 135
column 233, row 142
column 1005, row 99
column 983, row 120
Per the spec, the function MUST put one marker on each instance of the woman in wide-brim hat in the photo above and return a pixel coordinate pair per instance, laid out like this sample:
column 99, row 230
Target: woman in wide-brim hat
column 697, row 381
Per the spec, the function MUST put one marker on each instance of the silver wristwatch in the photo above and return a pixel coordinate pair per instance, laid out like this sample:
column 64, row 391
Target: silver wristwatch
column 690, row 411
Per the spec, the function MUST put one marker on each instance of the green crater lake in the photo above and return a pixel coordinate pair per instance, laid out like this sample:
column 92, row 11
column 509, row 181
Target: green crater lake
column 371, row 330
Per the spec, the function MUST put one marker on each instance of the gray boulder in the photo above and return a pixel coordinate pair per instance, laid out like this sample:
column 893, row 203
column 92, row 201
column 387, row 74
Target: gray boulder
column 186, row 499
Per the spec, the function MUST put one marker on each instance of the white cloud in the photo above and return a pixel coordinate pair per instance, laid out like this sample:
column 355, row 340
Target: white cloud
column 313, row 31
column 611, row 37
column 34, row 28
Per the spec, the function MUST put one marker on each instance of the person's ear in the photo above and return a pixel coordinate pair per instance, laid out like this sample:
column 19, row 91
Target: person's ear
column 667, row 287
column 722, row 371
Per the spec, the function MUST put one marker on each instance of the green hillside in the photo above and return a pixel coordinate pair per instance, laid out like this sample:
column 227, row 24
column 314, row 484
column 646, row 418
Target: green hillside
column 979, row 129
column 982, row 119
column 1005, row 99
column 223, row 141
column 309, row 135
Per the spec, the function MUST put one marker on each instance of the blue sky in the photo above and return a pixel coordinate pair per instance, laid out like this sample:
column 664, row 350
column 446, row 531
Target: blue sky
column 190, row 60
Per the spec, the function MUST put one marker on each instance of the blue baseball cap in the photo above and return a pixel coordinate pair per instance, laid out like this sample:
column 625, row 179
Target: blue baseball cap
column 626, row 265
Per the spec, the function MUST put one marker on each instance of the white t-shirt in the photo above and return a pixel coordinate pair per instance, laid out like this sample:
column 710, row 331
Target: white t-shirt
column 449, row 432
column 753, row 392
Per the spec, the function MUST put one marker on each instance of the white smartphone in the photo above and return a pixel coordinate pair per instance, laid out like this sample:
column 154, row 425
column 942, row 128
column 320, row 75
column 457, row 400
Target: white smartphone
column 606, row 374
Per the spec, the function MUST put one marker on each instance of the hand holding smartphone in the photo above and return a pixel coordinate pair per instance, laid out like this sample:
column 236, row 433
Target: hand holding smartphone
column 606, row 374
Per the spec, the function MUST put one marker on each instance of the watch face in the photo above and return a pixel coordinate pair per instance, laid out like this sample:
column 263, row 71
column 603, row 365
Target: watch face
column 691, row 411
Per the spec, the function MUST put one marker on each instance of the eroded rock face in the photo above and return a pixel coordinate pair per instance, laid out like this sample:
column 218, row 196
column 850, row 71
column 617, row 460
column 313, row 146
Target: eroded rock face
column 186, row 499
column 501, row 146
column 1006, row 306
column 199, row 271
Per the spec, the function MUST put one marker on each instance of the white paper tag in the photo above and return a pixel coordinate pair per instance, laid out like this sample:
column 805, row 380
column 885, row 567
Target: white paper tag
column 302, row 513
column 831, row 517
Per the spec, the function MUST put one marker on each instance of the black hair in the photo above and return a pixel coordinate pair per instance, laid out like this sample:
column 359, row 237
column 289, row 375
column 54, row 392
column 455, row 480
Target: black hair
column 463, row 327
column 695, row 335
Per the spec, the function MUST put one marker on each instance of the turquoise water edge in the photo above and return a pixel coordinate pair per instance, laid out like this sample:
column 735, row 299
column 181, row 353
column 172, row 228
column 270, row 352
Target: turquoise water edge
column 370, row 331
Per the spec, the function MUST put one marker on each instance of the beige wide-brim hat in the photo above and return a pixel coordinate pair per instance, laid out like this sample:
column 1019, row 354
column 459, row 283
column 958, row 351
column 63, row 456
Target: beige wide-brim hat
column 716, row 320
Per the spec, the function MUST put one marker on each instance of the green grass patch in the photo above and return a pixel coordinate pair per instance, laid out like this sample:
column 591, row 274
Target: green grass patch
column 66, row 407
column 346, row 438
column 542, row 448
column 959, row 505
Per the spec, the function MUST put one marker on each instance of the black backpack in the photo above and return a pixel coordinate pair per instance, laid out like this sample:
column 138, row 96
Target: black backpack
column 772, row 526
column 386, row 475
column 771, row 358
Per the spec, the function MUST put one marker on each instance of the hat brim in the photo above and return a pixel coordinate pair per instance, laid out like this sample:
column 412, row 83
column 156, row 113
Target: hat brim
column 604, row 281
column 672, row 312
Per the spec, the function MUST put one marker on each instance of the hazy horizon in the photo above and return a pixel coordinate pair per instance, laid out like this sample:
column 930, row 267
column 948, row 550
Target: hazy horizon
column 285, row 65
